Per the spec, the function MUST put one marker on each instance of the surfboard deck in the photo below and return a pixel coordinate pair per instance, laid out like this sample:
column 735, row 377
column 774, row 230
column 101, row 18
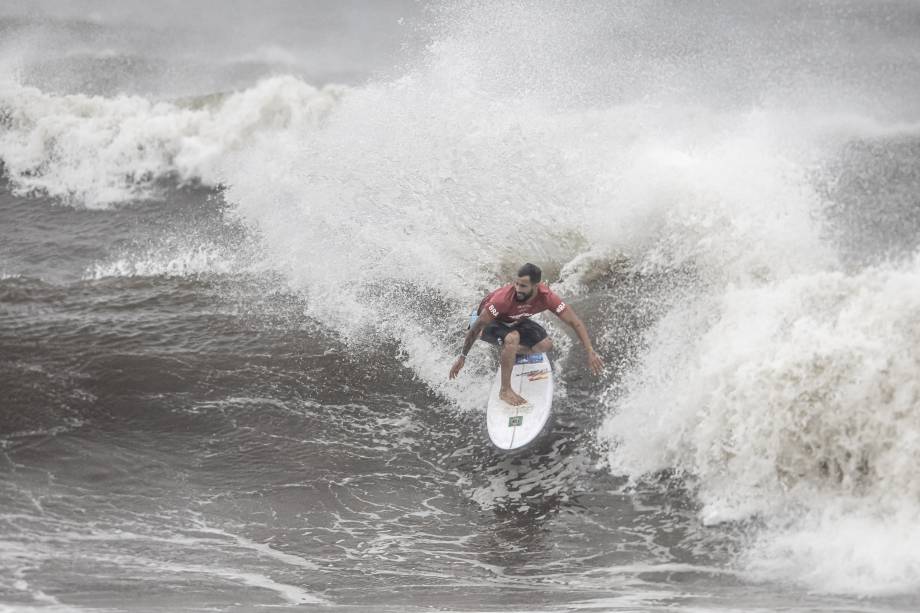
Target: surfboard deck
column 512, row 428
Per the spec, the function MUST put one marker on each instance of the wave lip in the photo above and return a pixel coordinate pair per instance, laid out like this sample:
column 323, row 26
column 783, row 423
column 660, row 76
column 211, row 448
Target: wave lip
column 95, row 151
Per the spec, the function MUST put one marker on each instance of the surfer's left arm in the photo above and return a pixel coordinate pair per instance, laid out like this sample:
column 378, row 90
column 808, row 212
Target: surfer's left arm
column 568, row 316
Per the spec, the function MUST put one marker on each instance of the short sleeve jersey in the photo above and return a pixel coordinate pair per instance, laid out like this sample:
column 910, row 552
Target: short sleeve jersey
column 503, row 306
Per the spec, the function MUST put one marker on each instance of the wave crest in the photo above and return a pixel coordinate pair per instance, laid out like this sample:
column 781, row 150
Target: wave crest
column 96, row 151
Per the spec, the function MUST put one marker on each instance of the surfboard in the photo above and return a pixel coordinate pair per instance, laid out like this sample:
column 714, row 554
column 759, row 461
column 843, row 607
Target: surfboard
column 512, row 428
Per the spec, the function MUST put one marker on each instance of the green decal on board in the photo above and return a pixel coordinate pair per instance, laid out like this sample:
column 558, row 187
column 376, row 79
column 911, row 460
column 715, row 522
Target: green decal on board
column 515, row 421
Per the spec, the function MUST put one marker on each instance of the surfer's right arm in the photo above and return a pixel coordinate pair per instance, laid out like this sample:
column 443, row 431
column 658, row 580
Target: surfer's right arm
column 484, row 319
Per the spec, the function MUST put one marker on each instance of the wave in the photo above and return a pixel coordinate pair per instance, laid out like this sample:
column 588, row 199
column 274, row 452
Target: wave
column 411, row 203
column 95, row 151
column 795, row 401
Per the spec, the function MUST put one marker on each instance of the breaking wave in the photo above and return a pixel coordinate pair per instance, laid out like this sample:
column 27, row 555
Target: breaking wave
column 95, row 151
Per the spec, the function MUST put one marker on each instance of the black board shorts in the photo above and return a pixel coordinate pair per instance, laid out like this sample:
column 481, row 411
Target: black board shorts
column 531, row 332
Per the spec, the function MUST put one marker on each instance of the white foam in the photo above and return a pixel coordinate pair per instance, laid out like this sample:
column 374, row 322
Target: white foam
column 796, row 400
column 843, row 547
column 262, row 549
column 96, row 151
column 290, row 593
column 172, row 261
column 42, row 547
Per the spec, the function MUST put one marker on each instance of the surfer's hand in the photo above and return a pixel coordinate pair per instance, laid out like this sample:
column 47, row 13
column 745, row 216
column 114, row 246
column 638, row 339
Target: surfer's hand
column 594, row 363
column 455, row 369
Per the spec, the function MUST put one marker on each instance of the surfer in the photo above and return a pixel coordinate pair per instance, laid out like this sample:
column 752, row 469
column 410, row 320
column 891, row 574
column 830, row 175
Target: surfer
column 503, row 319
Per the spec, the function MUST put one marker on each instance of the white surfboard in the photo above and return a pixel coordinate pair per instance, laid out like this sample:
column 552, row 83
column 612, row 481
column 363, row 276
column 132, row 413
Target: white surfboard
column 511, row 427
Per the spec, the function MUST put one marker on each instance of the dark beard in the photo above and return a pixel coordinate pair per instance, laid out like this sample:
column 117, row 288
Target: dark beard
column 524, row 299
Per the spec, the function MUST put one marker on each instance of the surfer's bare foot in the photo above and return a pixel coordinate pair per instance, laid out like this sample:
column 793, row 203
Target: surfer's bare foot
column 511, row 398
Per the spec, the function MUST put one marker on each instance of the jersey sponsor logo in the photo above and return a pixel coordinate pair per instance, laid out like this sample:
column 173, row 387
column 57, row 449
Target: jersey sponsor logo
column 561, row 307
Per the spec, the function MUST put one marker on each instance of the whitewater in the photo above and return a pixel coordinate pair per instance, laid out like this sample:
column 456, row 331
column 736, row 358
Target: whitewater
column 238, row 251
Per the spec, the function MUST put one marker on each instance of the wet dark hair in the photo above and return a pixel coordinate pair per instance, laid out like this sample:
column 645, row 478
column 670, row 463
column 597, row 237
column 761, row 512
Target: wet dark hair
column 531, row 270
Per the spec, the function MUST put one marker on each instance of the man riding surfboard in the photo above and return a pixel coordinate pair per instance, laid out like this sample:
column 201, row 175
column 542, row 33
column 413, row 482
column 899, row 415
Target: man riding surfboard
column 503, row 319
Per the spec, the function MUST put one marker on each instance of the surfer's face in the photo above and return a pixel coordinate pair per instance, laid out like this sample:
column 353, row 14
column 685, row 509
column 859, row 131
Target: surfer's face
column 523, row 289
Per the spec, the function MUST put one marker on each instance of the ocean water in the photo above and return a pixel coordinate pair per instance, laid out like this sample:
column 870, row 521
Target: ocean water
column 239, row 244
